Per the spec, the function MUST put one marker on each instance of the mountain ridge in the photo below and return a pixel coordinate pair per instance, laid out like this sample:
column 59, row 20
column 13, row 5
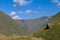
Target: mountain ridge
column 8, row 26
column 33, row 24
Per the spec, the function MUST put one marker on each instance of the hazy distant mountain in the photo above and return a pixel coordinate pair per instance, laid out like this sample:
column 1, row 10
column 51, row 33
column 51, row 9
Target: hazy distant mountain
column 8, row 26
column 33, row 24
column 53, row 33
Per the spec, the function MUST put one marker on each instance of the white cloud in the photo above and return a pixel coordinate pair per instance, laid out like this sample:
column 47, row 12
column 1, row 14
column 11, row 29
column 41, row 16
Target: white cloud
column 12, row 13
column 16, row 17
column 26, row 3
column 59, row 4
column 22, row 2
column 28, row 11
column 55, row 1
column 15, row 1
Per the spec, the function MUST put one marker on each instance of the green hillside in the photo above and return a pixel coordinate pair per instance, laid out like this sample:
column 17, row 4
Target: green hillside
column 53, row 33
column 8, row 26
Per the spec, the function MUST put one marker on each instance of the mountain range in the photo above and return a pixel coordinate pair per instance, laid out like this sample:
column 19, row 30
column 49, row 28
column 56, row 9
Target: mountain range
column 9, row 26
column 33, row 24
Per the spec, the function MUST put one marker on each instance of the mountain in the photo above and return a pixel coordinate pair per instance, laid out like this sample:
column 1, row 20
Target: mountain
column 8, row 26
column 51, row 33
column 32, row 25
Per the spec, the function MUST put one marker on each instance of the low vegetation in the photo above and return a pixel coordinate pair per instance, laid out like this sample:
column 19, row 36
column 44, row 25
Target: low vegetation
column 53, row 33
column 16, row 37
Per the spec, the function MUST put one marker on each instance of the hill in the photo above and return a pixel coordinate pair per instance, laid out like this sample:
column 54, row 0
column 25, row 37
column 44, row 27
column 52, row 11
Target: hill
column 53, row 33
column 8, row 26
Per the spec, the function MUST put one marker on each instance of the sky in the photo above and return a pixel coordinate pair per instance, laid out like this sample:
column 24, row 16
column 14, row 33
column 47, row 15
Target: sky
column 29, row 9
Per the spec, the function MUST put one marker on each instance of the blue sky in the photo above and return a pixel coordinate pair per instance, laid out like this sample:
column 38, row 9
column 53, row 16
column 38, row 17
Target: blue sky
column 29, row 9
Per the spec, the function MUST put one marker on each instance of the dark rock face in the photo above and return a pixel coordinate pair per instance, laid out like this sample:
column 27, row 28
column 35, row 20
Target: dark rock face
column 47, row 27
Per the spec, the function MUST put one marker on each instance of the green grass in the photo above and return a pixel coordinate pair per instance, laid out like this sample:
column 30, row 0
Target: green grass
column 50, row 34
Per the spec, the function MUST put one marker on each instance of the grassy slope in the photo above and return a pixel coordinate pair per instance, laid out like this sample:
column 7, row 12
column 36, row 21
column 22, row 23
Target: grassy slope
column 18, row 37
column 54, row 32
column 9, row 26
